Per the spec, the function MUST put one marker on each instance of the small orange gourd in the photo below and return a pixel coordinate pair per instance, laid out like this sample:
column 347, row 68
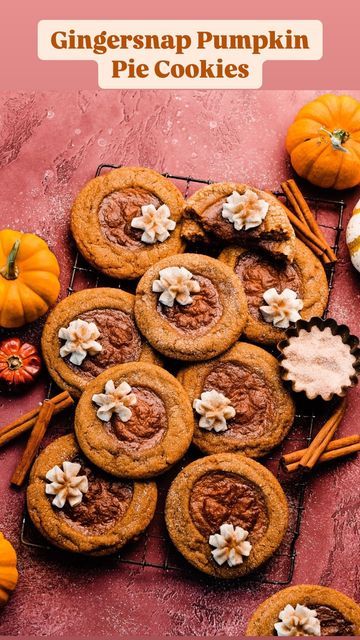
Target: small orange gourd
column 29, row 278
column 8, row 571
column 324, row 142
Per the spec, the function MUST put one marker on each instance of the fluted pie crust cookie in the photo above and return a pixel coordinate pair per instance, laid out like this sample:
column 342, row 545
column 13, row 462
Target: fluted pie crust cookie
column 339, row 615
column 201, row 330
column 156, row 436
column 111, row 513
column 112, row 311
column 258, row 273
column 225, row 488
column 250, row 378
column 275, row 233
column 101, row 219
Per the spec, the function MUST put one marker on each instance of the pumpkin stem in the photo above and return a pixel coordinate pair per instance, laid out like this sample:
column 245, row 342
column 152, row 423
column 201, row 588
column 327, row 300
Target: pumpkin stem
column 10, row 270
column 337, row 138
column 14, row 363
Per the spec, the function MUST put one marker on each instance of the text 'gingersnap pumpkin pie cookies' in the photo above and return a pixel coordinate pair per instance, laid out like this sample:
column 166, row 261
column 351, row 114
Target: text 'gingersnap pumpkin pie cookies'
column 278, row 292
column 226, row 514
column 126, row 220
column 190, row 307
column 88, row 332
column 240, row 403
column 134, row 420
column 233, row 212
column 79, row 508
column 306, row 610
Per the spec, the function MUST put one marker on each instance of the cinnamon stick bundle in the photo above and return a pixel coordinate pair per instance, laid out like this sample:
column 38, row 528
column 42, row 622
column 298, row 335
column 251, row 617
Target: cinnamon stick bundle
column 306, row 235
column 322, row 439
column 26, row 422
column 334, row 450
column 305, row 224
column 37, row 434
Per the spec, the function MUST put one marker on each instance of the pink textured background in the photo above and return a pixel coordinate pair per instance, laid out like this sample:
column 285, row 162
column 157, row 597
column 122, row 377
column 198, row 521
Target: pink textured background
column 50, row 144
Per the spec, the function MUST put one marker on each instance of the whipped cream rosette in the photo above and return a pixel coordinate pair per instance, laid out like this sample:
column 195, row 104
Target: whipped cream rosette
column 245, row 211
column 80, row 339
column 116, row 400
column 66, row 485
column 231, row 545
column 215, row 409
column 298, row 621
column 155, row 222
column 176, row 284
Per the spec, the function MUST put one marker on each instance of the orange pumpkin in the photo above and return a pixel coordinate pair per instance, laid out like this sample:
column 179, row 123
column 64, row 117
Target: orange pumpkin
column 19, row 363
column 324, row 142
column 29, row 278
column 8, row 572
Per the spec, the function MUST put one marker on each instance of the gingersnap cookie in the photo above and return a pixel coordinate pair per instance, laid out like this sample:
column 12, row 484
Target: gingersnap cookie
column 240, row 403
column 226, row 514
column 232, row 212
column 126, row 220
column 90, row 331
column 190, row 307
column 134, row 420
column 306, row 610
column 79, row 508
column 278, row 292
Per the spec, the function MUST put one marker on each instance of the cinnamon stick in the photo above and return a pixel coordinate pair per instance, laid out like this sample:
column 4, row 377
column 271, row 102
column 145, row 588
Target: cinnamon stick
column 335, row 449
column 26, row 422
column 289, row 196
column 320, row 253
column 303, row 212
column 295, row 456
column 36, row 436
column 305, row 232
column 322, row 439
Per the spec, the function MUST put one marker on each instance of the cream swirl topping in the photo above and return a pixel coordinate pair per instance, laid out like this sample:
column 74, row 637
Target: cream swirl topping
column 230, row 544
column 116, row 400
column 281, row 308
column 215, row 409
column 175, row 285
column 66, row 485
column 245, row 211
column 156, row 223
column 300, row 621
column 80, row 339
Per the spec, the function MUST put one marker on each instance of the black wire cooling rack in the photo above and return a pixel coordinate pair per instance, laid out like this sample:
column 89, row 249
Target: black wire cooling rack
column 154, row 549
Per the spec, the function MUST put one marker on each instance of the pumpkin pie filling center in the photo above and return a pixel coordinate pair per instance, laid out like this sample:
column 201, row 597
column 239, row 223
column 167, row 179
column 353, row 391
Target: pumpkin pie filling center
column 105, row 502
column 220, row 497
column 119, row 338
column 147, row 424
column 118, row 209
column 258, row 274
column 198, row 317
column 332, row 622
column 248, row 393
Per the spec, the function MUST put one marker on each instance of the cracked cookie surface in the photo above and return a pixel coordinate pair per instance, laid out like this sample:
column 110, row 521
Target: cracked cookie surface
column 250, row 378
column 200, row 330
column 111, row 513
column 155, row 436
column 275, row 234
column 258, row 273
column 102, row 215
column 225, row 488
column 112, row 310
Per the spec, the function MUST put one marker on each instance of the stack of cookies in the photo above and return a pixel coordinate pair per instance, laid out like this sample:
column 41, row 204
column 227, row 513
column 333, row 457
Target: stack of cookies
column 197, row 317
